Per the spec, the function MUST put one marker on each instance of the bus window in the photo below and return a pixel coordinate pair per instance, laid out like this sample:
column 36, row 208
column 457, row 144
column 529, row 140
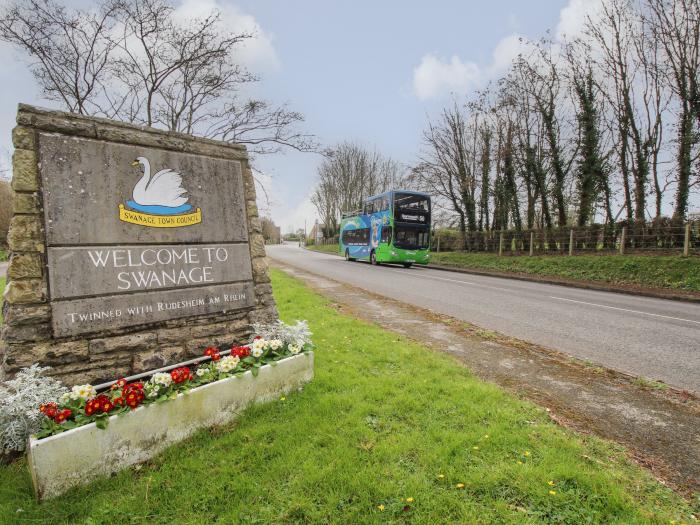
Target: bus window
column 357, row 237
column 411, row 238
column 386, row 234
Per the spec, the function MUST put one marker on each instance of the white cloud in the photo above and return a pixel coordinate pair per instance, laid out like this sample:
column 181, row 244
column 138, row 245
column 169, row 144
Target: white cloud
column 572, row 18
column 256, row 53
column 434, row 76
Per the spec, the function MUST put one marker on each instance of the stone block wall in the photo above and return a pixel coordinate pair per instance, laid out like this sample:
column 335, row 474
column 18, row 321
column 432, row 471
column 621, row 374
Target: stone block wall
column 26, row 335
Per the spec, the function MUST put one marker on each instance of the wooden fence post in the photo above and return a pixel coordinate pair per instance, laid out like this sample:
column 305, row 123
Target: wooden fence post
column 623, row 236
column 686, row 241
column 500, row 244
column 532, row 243
column 571, row 242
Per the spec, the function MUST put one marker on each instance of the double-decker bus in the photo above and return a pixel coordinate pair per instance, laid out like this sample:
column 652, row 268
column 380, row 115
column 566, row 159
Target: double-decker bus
column 393, row 227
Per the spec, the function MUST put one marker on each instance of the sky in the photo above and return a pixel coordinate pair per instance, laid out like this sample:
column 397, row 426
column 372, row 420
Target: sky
column 365, row 71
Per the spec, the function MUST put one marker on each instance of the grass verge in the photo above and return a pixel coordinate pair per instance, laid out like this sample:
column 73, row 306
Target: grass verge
column 388, row 432
column 325, row 248
column 672, row 272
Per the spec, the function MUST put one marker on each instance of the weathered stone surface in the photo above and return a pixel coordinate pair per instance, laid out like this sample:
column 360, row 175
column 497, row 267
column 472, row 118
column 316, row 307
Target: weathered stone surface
column 94, row 371
column 27, row 333
column 25, row 266
column 49, row 353
column 24, row 170
column 252, row 208
column 255, row 225
column 26, row 291
column 74, row 458
column 249, row 184
column 23, row 137
column 97, row 270
column 27, row 203
column 260, row 270
column 24, row 315
column 127, row 343
column 95, row 314
column 257, row 245
column 151, row 360
column 26, row 234
column 264, row 315
column 96, row 177
column 169, row 336
column 105, row 129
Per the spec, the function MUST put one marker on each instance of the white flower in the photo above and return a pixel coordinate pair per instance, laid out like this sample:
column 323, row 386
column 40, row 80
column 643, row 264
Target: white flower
column 256, row 351
column 83, row 392
column 294, row 349
column 162, row 378
column 275, row 344
column 300, row 343
column 65, row 397
column 227, row 364
column 202, row 371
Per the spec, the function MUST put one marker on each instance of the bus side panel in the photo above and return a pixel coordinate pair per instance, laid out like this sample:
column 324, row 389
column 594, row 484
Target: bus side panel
column 355, row 250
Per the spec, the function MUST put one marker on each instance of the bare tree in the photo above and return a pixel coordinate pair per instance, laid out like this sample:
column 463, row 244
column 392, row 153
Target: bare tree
column 676, row 28
column 348, row 175
column 69, row 51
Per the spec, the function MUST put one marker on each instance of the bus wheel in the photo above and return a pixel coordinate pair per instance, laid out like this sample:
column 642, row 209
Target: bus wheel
column 407, row 265
column 373, row 259
column 347, row 255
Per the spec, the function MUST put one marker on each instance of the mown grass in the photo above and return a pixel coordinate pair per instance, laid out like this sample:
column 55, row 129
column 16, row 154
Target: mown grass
column 674, row 272
column 382, row 421
column 325, row 248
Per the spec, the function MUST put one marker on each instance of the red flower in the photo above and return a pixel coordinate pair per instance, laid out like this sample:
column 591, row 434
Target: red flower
column 63, row 415
column 49, row 410
column 134, row 398
column 213, row 353
column 257, row 337
column 100, row 403
column 118, row 401
column 138, row 387
column 181, row 375
column 240, row 351
column 119, row 384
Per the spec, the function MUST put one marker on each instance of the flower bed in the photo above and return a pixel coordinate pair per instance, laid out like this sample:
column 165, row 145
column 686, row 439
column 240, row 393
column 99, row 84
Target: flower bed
column 83, row 405
column 87, row 433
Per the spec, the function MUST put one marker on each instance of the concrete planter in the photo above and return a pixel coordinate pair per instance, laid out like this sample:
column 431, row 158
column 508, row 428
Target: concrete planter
column 77, row 456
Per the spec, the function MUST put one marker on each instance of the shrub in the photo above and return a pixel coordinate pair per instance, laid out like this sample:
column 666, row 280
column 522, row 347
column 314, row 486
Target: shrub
column 19, row 399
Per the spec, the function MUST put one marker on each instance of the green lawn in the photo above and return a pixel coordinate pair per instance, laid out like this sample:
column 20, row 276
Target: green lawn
column 384, row 420
column 681, row 273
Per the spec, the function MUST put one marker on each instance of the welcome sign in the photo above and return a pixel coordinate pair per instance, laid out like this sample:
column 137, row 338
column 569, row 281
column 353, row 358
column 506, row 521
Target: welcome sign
column 138, row 235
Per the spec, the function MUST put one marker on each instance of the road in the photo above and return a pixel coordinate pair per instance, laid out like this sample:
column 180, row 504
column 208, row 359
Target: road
column 654, row 338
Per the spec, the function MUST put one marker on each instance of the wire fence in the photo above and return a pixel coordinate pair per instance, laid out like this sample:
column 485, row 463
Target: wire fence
column 652, row 238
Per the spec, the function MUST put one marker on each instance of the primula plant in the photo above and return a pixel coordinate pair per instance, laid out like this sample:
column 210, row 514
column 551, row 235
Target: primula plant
column 83, row 404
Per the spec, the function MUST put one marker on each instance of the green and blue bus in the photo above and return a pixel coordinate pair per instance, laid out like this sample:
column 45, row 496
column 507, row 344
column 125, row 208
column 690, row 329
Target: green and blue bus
column 393, row 227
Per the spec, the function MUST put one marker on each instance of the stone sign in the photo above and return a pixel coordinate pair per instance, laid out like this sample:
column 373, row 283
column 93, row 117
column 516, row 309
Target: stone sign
column 129, row 247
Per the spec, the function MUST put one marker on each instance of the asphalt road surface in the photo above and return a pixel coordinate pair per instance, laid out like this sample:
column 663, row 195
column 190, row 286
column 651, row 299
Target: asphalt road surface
column 654, row 338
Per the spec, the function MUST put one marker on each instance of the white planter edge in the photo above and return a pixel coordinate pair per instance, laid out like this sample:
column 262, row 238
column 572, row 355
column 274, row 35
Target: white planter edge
column 78, row 456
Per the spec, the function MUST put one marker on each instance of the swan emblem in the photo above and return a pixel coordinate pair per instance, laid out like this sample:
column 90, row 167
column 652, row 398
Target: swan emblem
column 158, row 200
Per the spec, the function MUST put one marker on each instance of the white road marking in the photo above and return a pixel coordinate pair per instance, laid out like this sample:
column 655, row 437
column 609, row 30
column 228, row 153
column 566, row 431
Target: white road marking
column 625, row 309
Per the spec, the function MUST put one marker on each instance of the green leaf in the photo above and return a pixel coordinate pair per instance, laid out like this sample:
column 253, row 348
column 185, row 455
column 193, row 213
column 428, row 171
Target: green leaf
column 102, row 421
column 255, row 371
column 249, row 360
